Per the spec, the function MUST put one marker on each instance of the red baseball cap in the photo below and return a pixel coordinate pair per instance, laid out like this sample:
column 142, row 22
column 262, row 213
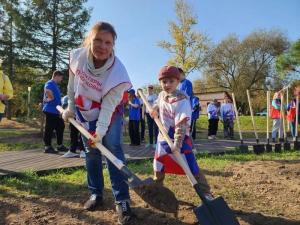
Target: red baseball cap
column 169, row 72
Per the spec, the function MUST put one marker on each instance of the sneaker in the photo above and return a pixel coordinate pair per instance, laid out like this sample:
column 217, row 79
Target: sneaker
column 50, row 149
column 210, row 137
column 154, row 146
column 93, row 202
column 70, row 154
column 124, row 212
column 62, row 148
column 82, row 154
column 147, row 145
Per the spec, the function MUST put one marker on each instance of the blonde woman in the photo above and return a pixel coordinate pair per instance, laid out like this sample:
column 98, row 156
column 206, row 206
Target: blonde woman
column 97, row 81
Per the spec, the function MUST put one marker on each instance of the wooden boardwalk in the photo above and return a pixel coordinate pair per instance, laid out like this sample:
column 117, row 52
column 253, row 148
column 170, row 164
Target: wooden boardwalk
column 15, row 162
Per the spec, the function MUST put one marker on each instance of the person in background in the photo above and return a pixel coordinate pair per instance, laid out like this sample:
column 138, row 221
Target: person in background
column 142, row 118
column 291, row 108
column 97, row 82
column 213, row 111
column 227, row 115
column 185, row 85
column 52, row 98
column 6, row 91
column 174, row 110
column 134, row 118
column 152, row 127
column 275, row 115
column 76, row 141
column 195, row 115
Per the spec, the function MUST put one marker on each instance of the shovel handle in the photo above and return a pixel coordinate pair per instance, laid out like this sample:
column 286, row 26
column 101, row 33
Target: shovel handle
column 297, row 117
column 237, row 118
column 252, row 117
column 118, row 163
column 176, row 154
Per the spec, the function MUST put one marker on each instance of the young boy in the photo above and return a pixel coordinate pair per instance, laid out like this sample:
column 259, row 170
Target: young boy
column 174, row 110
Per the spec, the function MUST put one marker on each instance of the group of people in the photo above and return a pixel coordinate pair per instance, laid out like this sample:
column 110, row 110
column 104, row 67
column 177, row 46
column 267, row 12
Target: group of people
column 279, row 111
column 98, row 84
column 96, row 97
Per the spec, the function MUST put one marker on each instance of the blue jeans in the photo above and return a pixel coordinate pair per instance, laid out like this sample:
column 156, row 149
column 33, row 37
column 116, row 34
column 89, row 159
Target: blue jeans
column 112, row 141
column 293, row 130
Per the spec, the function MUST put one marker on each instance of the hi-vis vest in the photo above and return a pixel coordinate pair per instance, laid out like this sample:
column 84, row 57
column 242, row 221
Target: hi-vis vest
column 90, row 89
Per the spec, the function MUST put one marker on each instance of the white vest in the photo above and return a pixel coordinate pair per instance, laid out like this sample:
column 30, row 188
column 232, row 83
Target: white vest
column 93, row 88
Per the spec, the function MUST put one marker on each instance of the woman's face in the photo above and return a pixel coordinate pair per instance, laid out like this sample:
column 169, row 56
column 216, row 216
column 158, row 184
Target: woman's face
column 102, row 46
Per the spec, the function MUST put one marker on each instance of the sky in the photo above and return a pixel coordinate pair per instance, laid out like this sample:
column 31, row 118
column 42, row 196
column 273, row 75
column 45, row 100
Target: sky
column 141, row 24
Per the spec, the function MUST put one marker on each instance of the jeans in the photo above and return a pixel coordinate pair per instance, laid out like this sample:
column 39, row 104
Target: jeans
column 152, row 129
column 277, row 127
column 112, row 141
column 76, row 141
column 228, row 128
column 134, row 132
column 293, row 130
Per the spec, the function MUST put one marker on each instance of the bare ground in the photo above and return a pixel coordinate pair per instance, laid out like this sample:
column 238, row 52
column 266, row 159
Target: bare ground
column 259, row 192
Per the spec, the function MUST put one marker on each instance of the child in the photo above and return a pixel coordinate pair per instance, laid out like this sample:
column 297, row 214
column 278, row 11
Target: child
column 291, row 108
column 174, row 109
column 134, row 118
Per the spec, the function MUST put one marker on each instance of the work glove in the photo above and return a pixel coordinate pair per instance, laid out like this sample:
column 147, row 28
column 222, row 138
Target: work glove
column 95, row 139
column 67, row 114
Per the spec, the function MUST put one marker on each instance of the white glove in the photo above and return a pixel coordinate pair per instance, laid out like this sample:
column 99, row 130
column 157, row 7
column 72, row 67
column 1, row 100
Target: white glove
column 67, row 114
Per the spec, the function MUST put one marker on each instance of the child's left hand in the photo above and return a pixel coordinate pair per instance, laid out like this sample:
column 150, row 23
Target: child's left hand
column 154, row 114
column 175, row 149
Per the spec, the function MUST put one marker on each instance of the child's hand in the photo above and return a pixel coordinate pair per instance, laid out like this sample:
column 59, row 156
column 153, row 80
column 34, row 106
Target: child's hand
column 154, row 114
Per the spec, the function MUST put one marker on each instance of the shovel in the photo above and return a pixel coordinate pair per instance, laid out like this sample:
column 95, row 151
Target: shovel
column 214, row 212
column 286, row 144
column 242, row 148
column 258, row 148
column 154, row 194
column 268, row 146
column 278, row 145
column 296, row 143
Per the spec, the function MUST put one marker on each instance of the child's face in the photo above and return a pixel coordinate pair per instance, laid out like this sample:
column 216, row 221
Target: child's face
column 169, row 84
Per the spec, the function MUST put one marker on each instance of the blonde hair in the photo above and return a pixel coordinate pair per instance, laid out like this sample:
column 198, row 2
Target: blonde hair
column 99, row 26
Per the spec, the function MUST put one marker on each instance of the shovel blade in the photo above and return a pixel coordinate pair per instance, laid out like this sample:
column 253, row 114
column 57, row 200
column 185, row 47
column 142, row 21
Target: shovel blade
column 286, row 146
column 296, row 145
column 277, row 147
column 258, row 149
column 243, row 148
column 215, row 212
column 268, row 148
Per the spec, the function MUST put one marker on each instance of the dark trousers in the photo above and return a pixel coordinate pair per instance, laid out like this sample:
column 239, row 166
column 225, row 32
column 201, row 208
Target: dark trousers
column 212, row 126
column 53, row 122
column 134, row 132
column 142, row 122
column 76, row 141
column 228, row 128
column 152, row 129
column 193, row 129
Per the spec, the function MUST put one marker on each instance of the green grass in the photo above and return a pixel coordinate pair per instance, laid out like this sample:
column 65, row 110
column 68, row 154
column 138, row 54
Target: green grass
column 4, row 147
column 72, row 181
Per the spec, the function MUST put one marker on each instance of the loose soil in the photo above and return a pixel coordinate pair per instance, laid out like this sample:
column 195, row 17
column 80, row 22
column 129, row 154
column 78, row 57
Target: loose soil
column 259, row 192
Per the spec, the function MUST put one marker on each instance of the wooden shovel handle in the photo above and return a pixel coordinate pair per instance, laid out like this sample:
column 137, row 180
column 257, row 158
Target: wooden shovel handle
column 118, row 163
column 176, row 154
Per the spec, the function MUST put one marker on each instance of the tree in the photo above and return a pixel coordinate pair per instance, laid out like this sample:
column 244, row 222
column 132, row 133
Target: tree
column 51, row 29
column 189, row 47
column 289, row 62
column 249, row 64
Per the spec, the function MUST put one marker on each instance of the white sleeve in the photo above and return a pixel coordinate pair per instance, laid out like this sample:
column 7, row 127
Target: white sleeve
column 108, row 106
column 71, row 92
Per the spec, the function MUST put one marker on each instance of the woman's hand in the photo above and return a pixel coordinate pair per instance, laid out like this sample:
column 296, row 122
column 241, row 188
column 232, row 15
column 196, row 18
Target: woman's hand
column 95, row 139
column 67, row 114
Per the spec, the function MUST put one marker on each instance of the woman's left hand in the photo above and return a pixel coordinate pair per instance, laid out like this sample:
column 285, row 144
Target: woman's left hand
column 95, row 139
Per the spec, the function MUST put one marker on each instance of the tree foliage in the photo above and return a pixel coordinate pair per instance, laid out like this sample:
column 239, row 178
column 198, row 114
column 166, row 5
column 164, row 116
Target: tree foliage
column 51, row 28
column 248, row 64
column 289, row 62
column 189, row 47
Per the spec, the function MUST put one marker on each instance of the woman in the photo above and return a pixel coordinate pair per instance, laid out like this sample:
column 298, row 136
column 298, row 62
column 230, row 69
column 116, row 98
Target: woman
column 97, row 81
